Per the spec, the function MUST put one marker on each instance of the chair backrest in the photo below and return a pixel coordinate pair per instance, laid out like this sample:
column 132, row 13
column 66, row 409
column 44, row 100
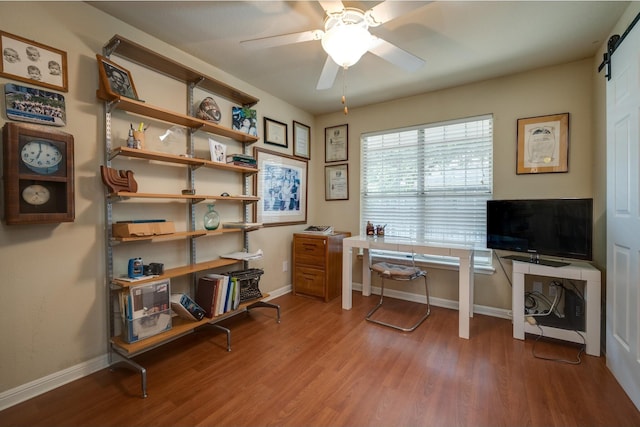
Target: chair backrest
column 379, row 245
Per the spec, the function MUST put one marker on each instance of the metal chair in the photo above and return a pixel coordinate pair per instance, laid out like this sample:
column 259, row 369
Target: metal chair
column 400, row 273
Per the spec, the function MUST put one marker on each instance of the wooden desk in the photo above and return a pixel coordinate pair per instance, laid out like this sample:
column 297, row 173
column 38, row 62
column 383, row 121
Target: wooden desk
column 463, row 253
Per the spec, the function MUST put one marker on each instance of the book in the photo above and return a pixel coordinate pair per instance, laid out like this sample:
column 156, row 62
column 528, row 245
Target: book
column 205, row 295
column 243, row 164
column 242, row 225
column 247, row 158
column 222, row 283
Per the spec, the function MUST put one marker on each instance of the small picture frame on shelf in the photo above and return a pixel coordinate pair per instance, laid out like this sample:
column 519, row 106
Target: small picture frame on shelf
column 245, row 120
column 275, row 133
column 32, row 62
column 301, row 140
column 218, row 151
column 115, row 80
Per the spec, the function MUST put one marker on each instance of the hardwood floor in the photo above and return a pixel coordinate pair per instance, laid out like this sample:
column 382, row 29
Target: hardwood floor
column 322, row 366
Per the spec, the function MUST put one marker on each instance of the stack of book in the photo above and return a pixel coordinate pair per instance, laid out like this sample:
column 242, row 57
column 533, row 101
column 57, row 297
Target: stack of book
column 217, row 294
column 244, row 160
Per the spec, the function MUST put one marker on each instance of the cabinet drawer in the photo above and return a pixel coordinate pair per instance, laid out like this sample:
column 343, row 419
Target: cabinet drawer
column 309, row 251
column 309, row 281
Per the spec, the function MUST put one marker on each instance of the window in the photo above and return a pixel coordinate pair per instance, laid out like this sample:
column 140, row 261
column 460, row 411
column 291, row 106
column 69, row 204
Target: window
column 430, row 182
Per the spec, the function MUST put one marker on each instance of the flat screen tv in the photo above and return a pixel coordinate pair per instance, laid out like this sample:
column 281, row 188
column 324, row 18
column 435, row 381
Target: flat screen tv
column 555, row 227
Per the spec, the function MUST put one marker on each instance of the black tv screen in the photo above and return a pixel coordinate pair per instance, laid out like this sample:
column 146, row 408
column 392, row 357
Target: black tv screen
column 554, row 227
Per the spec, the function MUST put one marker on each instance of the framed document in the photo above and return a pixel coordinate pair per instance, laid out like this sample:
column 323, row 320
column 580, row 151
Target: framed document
column 336, row 185
column 543, row 144
column 301, row 138
column 275, row 133
column 336, row 143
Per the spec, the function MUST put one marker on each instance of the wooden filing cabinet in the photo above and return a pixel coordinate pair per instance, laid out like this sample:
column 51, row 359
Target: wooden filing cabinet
column 317, row 264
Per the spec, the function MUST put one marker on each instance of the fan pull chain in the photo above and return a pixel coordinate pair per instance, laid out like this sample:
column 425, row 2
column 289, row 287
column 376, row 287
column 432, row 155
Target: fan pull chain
column 344, row 90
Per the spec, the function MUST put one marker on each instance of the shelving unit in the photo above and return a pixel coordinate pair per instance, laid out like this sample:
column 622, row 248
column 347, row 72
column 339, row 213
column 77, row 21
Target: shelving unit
column 118, row 348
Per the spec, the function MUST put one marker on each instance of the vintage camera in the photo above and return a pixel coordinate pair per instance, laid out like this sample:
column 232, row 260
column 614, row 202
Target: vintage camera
column 153, row 269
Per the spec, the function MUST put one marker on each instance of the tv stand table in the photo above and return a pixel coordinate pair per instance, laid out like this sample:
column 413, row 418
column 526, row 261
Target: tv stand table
column 399, row 244
column 579, row 271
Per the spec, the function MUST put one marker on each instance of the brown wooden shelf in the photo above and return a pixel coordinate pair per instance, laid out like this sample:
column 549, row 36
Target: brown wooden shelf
column 179, row 271
column 174, row 158
column 144, row 109
column 179, row 327
column 194, row 197
column 175, row 236
column 148, row 58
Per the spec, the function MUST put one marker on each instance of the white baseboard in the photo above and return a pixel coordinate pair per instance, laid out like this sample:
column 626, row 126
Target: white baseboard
column 438, row 302
column 57, row 379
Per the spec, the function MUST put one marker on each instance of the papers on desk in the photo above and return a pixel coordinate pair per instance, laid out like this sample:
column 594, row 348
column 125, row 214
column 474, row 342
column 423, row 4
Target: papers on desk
column 244, row 256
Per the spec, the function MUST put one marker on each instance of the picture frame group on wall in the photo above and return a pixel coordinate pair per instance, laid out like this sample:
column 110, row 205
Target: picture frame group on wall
column 301, row 140
column 32, row 62
column 115, row 80
column 281, row 185
column 275, row 133
column 336, row 143
column 543, row 144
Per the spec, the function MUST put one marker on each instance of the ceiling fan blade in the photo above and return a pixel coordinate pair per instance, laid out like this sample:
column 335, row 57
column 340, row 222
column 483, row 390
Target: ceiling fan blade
column 392, row 53
column 328, row 75
column 283, row 39
column 331, row 6
column 388, row 10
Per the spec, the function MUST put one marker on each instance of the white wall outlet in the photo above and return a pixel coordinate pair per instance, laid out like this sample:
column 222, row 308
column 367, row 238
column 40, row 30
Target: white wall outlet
column 285, row 266
column 537, row 287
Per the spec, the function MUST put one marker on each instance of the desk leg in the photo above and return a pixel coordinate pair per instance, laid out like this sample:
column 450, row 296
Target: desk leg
column 347, row 263
column 517, row 305
column 366, row 274
column 465, row 307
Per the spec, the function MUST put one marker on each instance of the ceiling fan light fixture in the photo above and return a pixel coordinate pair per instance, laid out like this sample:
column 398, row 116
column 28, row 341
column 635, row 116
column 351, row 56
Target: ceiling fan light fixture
column 346, row 44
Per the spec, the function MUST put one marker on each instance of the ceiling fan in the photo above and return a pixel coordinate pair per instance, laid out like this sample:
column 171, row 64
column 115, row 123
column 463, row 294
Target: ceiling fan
column 346, row 37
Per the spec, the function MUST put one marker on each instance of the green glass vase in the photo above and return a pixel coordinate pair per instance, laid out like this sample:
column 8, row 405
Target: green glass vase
column 211, row 218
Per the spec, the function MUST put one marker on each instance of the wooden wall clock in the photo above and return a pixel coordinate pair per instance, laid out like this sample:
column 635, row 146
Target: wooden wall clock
column 38, row 175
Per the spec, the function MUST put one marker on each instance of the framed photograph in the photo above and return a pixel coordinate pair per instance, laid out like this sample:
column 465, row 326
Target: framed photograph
column 336, row 182
column 31, row 62
column 336, row 143
column 245, row 120
column 115, row 80
column 218, row 151
column 301, row 140
column 543, row 144
column 29, row 104
column 275, row 133
column 281, row 184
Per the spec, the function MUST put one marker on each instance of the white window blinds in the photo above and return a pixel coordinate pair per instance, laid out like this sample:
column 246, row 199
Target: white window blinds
column 429, row 182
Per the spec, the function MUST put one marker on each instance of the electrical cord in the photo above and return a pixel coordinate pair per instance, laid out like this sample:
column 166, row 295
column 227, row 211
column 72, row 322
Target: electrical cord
column 552, row 359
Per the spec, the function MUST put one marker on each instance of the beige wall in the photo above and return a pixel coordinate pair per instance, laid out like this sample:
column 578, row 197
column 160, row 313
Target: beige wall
column 53, row 308
column 560, row 89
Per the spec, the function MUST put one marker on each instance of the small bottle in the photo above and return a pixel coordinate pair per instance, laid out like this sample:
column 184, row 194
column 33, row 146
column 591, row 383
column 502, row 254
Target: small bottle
column 211, row 218
column 370, row 229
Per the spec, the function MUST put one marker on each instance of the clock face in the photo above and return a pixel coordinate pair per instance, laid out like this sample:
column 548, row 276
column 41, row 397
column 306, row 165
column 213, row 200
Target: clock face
column 41, row 157
column 36, row 195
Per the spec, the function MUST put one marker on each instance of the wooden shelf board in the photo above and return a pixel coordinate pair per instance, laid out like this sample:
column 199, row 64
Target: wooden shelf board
column 174, row 236
column 148, row 58
column 174, row 158
column 180, row 271
column 194, row 197
column 179, row 327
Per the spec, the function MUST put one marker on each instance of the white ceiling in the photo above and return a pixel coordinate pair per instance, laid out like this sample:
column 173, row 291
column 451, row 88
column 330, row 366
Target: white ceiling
column 462, row 42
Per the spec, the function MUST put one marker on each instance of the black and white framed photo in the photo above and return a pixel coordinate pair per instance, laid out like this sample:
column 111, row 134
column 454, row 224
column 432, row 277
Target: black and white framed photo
column 32, row 62
column 336, row 182
column 275, row 133
column 336, row 143
column 281, row 184
column 115, row 80
column 218, row 151
column 301, row 140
